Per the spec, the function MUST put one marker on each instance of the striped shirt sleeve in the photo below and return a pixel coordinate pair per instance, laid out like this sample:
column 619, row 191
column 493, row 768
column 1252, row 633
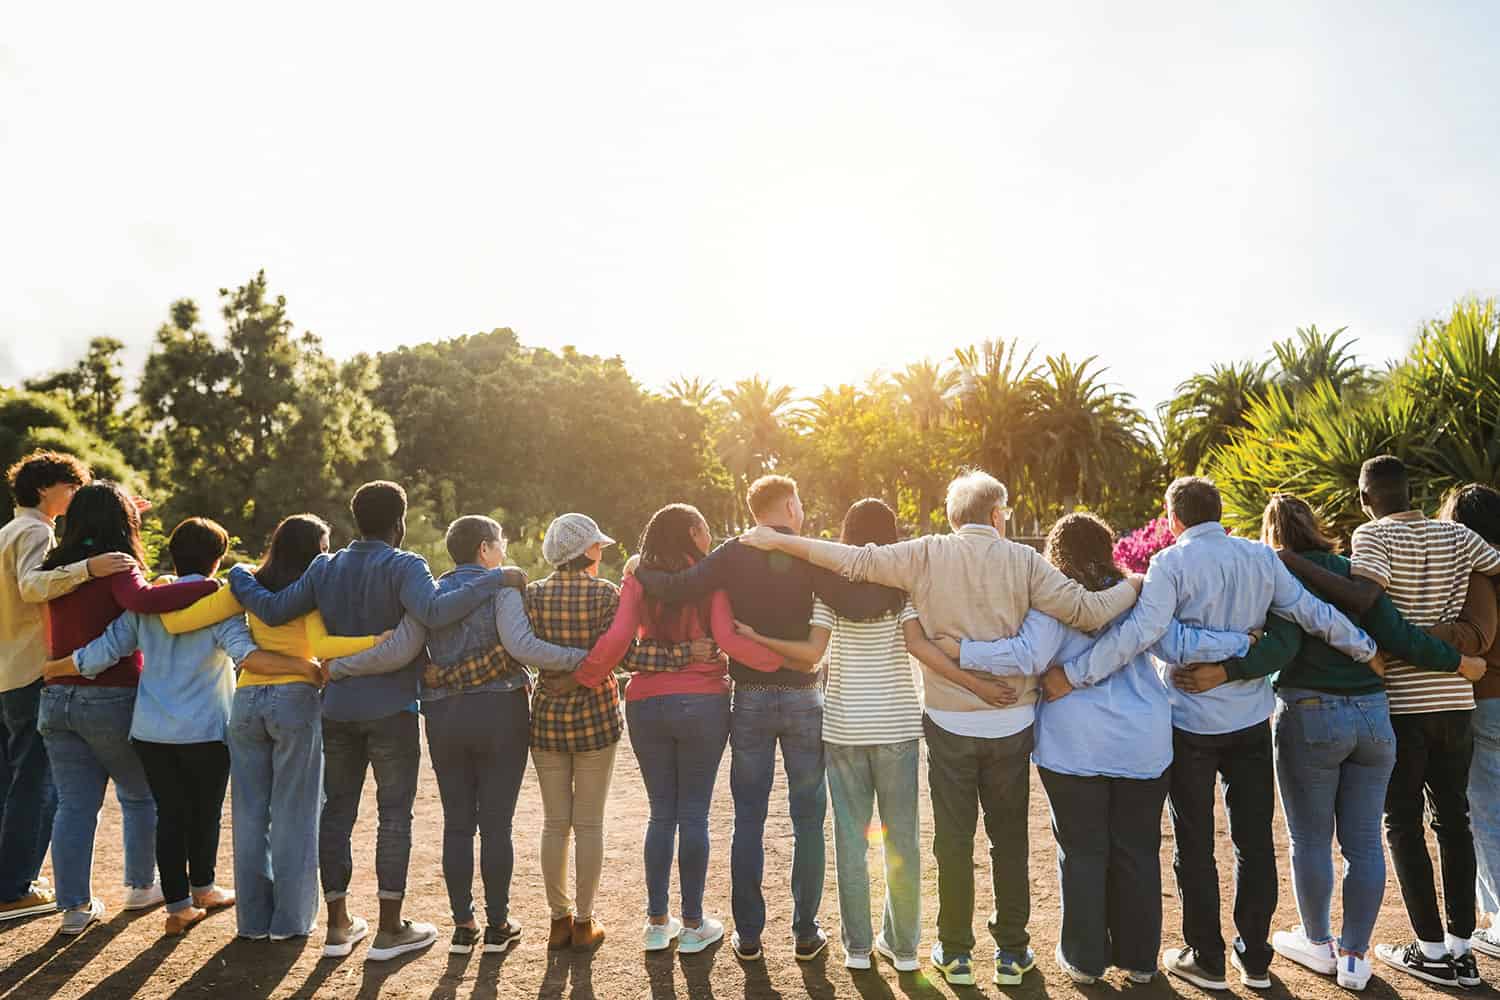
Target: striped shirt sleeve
column 1486, row 557
column 1371, row 557
column 822, row 615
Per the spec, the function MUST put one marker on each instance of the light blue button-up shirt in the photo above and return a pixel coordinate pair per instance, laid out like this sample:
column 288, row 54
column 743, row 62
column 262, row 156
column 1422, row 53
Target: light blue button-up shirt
column 1213, row 580
column 1121, row 726
column 187, row 683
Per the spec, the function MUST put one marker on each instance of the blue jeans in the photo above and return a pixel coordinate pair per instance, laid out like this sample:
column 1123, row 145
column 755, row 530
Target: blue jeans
column 478, row 743
column 276, row 790
column 761, row 718
column 392, row 747
column 1334, row 756
column 1484, row 801
column 28, row 800
column 678, row 741
column 858, row 776
column 87, row 732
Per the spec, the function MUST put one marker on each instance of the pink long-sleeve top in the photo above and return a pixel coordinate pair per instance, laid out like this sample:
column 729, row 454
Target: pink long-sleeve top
column 632, row 620
column 74, row 620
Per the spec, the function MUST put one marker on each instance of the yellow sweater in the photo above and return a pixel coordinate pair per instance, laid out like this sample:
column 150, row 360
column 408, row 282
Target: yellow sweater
column 304, row 638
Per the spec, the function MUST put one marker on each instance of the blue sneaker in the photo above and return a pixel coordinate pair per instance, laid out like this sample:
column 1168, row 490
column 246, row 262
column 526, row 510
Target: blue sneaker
column 1011, row 968
column 956, row 968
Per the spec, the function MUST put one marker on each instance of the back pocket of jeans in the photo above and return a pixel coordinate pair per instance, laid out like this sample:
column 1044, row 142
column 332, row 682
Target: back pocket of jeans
column 1314, row 721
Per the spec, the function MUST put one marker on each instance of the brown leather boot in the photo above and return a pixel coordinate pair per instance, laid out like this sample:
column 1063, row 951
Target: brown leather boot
column 587, row 935
column 561, row 935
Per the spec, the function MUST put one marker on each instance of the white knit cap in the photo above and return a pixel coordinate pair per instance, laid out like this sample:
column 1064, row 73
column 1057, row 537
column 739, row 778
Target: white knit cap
column 570, row 536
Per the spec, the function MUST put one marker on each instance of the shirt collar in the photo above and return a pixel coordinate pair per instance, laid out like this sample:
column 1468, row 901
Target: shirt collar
column 1206, row 529
column 368, row 544
column 985, row 530
column 35, row 514
column 1405, row 515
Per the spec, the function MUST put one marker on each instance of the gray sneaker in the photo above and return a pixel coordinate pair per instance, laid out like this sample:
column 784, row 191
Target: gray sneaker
column 77, row 921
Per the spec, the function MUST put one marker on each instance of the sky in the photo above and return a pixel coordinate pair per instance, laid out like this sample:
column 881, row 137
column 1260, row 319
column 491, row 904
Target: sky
column 805, row 191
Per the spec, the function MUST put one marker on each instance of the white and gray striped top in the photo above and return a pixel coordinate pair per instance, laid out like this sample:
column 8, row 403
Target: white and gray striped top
column 871, row 694
column 1424, row 566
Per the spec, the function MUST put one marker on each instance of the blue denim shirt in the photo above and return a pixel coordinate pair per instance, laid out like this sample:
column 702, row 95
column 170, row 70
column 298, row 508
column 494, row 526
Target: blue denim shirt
column 187, row 684
column 363, row 589
column 1121, row 726
column 501, row 621
column 1213, row 580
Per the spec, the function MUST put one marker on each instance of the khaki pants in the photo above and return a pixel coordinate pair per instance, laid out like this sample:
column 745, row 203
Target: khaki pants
column 575, row 788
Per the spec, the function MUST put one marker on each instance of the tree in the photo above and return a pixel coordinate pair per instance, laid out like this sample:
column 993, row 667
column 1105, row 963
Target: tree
column 1311, row 357
column 32, row 420
column 93, row 387
column 754, row 431
column 1207, row 408
column 997, row 398
column 928, row 391
column 695, row 392
column 265, row 424
column 1090, row 434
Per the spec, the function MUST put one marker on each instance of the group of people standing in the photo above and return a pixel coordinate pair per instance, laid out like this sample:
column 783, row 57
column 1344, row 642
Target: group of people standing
column 1350, row 682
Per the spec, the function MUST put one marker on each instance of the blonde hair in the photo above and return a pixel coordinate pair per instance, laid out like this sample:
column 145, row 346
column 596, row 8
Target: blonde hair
column 1289, row 523
column 767, row 491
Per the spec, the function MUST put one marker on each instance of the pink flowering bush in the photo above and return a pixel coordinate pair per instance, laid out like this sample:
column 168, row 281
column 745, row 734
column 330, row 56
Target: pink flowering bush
column 1135, row 550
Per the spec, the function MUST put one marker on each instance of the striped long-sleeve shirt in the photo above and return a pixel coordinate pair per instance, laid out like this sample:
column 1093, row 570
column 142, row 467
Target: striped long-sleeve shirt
column 1424, row 567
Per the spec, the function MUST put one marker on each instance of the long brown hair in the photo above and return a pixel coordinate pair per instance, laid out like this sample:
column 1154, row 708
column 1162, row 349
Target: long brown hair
column 296, row 542
column 667, row 544
column 1082, row 546
column 1289, row 523
column 872, row 522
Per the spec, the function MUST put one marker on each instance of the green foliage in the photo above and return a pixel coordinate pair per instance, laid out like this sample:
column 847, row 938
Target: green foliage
column 31, row 420
column 264, row 424
column 1207, row 408
column 93, row 387
column 1439, row 411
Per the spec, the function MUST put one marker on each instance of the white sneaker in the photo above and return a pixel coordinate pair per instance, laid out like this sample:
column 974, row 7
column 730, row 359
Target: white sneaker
column 859, row 962
column 1354, row 972
column 77, row 921
column 1321, row 958
column 414, row 936
column 143, row 899
column 339, row 943
column 1139, row 976
column 1074, row 973
column 1486, row 941
column 694, row 939
column 889, row 954
column 1255, row 980
column 659, row 937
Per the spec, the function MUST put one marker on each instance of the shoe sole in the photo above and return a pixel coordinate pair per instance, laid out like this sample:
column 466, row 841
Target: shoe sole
column 343, row 950
column 1199, row 981
column 812, row 955
column 899, row 964
column 1470, row 984
column 693, row 949
column 1417, row 973
column 1249, row 980
column 499, row 949
column 1351, row 985
column 1485, row 948
column 396, row 951
column 749, row 956
column 29, row 911
column 958, row 978
column 1321, row 967
column 460, row 949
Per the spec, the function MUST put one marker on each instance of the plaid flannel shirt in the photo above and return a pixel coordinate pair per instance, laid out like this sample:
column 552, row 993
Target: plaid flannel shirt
column 575, row 609
column 474, row 671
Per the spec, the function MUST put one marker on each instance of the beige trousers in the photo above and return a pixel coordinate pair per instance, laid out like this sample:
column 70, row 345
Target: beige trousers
column 575, row 788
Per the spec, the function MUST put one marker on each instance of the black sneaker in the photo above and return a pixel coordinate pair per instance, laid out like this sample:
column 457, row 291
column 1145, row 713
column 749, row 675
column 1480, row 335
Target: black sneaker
column 1185, row 963
column 464, row 939
column 745, row 949
column 501, row 939
column 1412, row 961
column 1467, row 970
column 812, row 947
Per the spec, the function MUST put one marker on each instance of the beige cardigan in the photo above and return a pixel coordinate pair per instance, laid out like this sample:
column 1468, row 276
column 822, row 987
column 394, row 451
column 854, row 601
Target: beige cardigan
column 974, row 584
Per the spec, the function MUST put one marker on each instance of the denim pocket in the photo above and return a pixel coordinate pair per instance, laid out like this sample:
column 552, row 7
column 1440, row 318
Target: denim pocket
column 52, row 709
column 295, row 707
column 1314, row 721
column 1377, row 719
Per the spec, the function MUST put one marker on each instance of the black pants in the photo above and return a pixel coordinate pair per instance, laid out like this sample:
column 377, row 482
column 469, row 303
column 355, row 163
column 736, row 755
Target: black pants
column 964, row 773
column 1108, row 833
column 1244, row 758
column 188, row 781
column 479, row 744
column 1433, row 751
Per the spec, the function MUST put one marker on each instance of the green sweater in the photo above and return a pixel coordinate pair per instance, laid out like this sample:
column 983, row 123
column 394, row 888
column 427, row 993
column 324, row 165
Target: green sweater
column 1304, row 661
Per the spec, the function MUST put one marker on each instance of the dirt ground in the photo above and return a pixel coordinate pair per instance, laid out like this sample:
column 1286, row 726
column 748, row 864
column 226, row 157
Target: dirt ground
column 126, row 956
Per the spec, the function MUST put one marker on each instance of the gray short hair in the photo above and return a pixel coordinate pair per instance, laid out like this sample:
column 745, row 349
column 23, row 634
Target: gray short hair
column 973, row 496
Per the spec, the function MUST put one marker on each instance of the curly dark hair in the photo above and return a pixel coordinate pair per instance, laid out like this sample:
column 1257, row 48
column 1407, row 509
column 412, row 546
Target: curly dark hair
column 40, row 470
column 667, row 544
column 1083, row 547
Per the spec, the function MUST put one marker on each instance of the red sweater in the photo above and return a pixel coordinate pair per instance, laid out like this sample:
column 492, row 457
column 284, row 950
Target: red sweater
column 698, row 678
column 74, row 620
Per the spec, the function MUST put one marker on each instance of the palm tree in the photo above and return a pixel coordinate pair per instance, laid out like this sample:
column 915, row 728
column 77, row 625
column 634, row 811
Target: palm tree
column 695, row 392
column 754, row 431
column 997, row 395
column 1091, row 434
column 1311, row 357
column 1207, row 408
column 927, row 390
